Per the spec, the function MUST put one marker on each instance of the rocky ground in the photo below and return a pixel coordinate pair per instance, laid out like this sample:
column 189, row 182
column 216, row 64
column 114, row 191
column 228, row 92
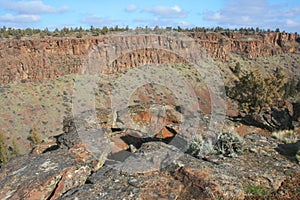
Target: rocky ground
column 62, row 168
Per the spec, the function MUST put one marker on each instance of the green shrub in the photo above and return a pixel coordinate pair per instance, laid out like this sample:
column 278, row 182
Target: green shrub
column 34, row 136
column 79, row 35
column 255, row 91
column 196, row 147
column 237, row 69
column 15, row 149
column 229, row 144
column 3, row 151
column 297, row 156
column 291, row 88
column 256, row 190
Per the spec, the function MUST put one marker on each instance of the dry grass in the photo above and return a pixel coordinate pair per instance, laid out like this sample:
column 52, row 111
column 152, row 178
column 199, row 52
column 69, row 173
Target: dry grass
column 286, row 136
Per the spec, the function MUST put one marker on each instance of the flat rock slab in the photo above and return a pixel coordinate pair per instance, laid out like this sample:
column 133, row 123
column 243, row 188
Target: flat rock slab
column 37, row 176
column 108, row 183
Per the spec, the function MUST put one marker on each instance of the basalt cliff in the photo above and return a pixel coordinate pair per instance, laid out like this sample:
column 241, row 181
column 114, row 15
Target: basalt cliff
column 38, row 59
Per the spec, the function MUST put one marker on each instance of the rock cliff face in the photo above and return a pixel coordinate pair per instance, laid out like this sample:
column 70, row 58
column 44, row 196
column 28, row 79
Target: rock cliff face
column 37, row 59
column 221, row 45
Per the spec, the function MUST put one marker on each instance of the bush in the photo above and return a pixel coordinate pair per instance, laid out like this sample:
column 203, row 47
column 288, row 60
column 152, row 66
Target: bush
column 286, row 136
column 200, row 146
column 3, row 151
column 79, row 35
column 34, row 136
column 196, row 146
column 257, row 190
column 229, row 144
column 237, row 69
column 298, row 155
column 255, row 91
column 291, row 88
column 15, row 149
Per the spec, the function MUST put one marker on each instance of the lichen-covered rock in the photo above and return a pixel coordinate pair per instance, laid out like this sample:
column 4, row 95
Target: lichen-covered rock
column 66, row 174
column 34, row 176
column 108, row 183
column 46, row 145
column 74, row 177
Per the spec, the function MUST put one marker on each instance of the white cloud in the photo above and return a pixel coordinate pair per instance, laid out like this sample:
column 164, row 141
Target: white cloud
column 292, row 12
column 184, row 24
column 176, row 8
column 30, row 7
column 99, row 21
column 167, row 11
column 153, row 22
column 255, row 13
column 291, row 23
column 156, row 21
column 131, row 8
column 213, row 16
column 9, row 18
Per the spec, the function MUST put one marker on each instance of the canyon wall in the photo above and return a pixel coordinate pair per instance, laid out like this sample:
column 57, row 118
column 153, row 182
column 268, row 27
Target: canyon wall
column 38, row 59
column 222, row 45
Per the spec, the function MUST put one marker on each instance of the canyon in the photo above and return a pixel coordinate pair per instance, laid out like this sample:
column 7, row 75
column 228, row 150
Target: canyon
column 39, row 87
column 37, row 59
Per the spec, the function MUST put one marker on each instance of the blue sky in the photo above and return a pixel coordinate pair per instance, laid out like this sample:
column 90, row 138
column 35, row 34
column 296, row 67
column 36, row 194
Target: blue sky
column 284, row 14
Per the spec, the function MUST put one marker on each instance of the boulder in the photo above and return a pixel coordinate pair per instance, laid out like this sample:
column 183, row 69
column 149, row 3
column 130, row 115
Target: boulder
column 37, row 176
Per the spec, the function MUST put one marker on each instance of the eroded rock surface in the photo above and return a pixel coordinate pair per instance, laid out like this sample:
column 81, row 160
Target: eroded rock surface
column 68, row 173
column 35, row 60
column 38, row 176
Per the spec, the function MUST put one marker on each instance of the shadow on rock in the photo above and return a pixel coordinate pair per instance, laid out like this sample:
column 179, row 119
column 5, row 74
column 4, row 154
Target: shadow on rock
column 289, row 150
column 275, row 119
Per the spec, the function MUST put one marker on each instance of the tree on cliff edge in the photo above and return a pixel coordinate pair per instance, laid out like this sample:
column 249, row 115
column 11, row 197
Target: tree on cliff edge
column 255, row 91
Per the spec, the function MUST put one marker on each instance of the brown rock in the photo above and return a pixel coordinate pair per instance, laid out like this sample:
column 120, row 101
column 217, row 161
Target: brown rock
column 164, row 134
column 161, row 187
column 34, row 176
column 119, row 145
column 72, row 178
column 199, row 180
column 46, row 145
column 35, row 60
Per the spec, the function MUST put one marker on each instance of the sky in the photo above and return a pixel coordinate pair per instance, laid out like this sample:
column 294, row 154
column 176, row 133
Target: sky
column 265, row 14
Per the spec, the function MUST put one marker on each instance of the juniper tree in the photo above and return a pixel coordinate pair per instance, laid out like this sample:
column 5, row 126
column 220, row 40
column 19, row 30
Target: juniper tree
column 34, row 136
column 15, row 149
column 254, row 91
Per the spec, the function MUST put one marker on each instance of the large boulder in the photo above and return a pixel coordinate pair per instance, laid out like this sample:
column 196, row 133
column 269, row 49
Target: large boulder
column 41, row 176
column 278, row 118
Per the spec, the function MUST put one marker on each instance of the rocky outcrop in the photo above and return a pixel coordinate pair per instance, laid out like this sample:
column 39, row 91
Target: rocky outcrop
column 44, row 176
column 35, row 60
column 251, row 46
column 281, row 117
column 69, row 172
column 38, row 59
